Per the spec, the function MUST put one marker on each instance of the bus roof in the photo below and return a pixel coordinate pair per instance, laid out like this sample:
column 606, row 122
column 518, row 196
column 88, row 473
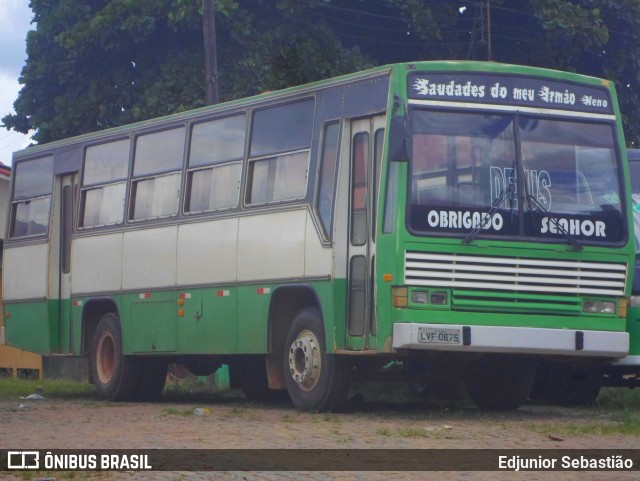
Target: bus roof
column 435, row 65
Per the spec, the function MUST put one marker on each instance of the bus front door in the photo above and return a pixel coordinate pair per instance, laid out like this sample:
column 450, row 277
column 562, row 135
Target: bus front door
column 365, row 155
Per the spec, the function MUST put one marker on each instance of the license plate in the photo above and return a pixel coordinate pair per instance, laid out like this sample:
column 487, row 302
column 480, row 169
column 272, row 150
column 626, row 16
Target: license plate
column 439, row 335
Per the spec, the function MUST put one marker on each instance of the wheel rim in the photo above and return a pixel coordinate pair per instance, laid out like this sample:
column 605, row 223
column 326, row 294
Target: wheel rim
column 105, row 357
column 305, row 360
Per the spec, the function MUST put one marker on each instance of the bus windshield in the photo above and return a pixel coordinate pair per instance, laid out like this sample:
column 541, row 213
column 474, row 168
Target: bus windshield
column 465, row 169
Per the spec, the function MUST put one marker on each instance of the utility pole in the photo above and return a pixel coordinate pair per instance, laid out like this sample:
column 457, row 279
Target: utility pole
column 210, row 51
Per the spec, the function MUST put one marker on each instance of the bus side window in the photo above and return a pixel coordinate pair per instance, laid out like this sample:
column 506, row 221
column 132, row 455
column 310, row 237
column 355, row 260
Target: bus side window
column 155, row 188
column 327, row 177
column 31, row 203
column 104, row 184
column 359, row 191
column 279, row 153
column 378, row 143
column 215, row 164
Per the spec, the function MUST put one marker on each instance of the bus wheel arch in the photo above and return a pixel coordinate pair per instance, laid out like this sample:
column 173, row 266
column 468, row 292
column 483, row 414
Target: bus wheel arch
column 92, row 313
column 286, row 303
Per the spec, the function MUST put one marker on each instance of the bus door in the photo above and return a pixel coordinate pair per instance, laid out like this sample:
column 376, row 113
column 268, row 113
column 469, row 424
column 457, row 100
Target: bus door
column 365, row 155
column 60, row 258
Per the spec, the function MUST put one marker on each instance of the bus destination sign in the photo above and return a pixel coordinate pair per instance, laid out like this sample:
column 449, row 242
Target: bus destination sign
column 510, row 90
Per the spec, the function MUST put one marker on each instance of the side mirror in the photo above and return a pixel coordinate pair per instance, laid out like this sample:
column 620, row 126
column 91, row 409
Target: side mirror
column 397, row 140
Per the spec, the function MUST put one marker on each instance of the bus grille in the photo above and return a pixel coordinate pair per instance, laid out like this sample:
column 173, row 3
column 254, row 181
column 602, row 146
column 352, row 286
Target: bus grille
column 546, row 276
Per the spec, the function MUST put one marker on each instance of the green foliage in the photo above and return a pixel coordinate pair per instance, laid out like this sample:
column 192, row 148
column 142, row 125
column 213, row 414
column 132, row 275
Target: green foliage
column 12, row 389
column 94, row 64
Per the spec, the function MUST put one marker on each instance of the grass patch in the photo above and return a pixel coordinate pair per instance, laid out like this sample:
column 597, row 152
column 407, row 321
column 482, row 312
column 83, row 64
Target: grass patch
column 619, row 399
column 332, row 418
column 11, row 389
column 197, row 389
column 412, row 433
column 247, row 414
column 171, row 411
column 572, row 429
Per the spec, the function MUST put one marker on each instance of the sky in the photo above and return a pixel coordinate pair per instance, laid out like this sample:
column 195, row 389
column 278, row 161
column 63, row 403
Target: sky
column 15, row 22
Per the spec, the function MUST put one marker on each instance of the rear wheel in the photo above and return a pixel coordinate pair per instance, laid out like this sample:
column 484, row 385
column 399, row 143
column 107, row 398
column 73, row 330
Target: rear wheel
column 316, row 381
column 115, row 375
column 500, row 382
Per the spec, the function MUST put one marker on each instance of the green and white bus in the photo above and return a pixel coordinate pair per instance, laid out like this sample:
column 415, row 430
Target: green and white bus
column 451, row 220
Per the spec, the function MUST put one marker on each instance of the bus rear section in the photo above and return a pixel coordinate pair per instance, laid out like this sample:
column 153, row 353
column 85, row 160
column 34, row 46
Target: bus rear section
column 511, row 241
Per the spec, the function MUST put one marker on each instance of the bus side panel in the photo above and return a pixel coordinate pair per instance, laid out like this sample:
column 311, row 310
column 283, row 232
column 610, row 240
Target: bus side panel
column 208, row 324
column 25, row 272
column 317, row 259
column 97, row 265
column 270, row 247
column 149, row 258
column 207, row 252
column 32, row 325
column 150, row 322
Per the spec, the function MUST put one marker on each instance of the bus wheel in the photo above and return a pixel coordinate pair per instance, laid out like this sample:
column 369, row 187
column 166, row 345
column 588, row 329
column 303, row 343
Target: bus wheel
column 499, row 382
column 114, row 374
column 153, row 375
column 316, row 381
column 567, row 385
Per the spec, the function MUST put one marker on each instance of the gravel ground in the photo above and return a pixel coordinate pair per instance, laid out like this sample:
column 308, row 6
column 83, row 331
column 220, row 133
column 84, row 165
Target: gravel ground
column 232, row 422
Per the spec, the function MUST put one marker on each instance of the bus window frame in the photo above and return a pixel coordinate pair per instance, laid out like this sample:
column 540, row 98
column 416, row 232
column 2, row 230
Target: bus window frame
column 84, row 188
column 134, row 179
column 28, row 198
column 187, row 180
column 250, row 160
column 515, row 113
column 327, row 231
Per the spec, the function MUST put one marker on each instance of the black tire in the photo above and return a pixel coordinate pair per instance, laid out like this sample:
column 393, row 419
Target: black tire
column 567, row 384
column 316, row 381
column 499, row 382
column 153, row 375
column 114, row 375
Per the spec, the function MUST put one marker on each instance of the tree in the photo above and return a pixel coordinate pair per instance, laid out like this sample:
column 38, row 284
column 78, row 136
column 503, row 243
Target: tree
column 94, row 64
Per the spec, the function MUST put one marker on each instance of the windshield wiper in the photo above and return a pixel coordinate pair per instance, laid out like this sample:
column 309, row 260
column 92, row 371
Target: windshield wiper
column 487, row 217
column 554, row 219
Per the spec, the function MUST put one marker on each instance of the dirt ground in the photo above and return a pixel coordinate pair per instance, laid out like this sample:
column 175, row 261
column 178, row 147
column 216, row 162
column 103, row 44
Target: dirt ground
column 232, row 422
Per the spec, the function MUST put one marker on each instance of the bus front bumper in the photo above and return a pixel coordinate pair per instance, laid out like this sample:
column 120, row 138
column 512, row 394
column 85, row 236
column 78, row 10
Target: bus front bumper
column 516, row 340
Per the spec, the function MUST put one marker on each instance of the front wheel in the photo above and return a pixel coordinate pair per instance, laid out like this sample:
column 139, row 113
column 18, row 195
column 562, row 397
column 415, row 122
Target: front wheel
column 115, row 375
column 499, row 382
column 567, row 384
column 316, row 381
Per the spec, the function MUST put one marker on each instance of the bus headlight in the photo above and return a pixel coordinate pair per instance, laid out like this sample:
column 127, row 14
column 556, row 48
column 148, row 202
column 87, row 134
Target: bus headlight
column 600, row 307
column 419, row 297
column 439, row 298
column 590, row 306
column 608, row 308
column 635, row 301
